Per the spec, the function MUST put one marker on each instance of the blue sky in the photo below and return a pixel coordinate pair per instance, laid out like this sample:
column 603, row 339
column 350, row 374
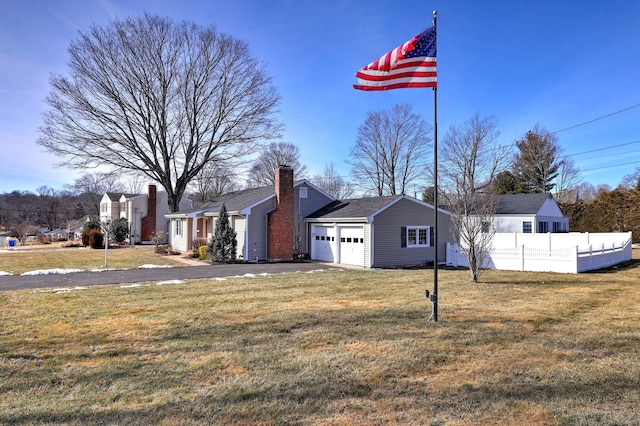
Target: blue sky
column 556, row 63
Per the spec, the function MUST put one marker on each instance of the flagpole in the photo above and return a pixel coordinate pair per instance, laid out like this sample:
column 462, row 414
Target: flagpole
column 434, row 296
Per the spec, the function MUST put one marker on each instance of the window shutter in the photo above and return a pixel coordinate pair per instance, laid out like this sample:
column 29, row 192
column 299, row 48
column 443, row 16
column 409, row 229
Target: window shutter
column 431, row 236
column 403, row 236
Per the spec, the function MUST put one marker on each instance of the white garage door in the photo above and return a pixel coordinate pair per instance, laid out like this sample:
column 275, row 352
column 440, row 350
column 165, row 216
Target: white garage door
column 322, row 243
column 352, row 245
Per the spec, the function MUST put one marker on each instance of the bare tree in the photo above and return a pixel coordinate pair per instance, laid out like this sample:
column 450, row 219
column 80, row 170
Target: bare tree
column 49, row 206
column 214, row 180
column 568, row 175
column 538, row 161
column 470, row 161
column 333, row 183
column 271, row 157
column 586, row 192
column 160, row 98
column 390, row 153
column 91, row 186
column 631, row 180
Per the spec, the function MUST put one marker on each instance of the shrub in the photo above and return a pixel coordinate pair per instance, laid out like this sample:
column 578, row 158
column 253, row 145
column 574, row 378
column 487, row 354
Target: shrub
column 197, row 243
column 202, row 251
column 92, row 224
column 119, row 230
column 95, row 238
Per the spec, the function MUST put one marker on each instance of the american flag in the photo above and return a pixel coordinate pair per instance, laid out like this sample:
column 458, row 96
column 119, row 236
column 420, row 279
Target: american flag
column 412, row 64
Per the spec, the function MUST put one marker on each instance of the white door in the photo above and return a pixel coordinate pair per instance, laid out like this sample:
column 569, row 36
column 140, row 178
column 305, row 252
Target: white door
column 352, row 245
column 323, row 243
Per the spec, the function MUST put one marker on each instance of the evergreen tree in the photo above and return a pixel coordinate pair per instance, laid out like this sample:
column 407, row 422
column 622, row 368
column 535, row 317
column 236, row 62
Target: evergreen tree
column 119, row 230
column 222, row 246
column 538, row 161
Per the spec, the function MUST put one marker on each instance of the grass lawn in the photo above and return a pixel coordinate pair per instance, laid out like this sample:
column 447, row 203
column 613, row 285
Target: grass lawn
column 25, row 260
column 330, row 347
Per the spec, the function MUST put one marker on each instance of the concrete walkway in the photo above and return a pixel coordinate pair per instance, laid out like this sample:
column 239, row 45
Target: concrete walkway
column 203, row 270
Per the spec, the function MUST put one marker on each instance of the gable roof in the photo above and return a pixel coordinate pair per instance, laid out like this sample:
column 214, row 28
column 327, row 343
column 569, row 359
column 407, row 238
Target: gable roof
column 237, row 201
column 520, row 203
column 362, row 208
column 354, row 208
column 115, row 196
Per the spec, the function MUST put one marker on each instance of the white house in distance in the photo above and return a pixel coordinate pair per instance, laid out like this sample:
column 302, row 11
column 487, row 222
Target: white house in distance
column 532, row 234
column 145, row 213
column 529, row 214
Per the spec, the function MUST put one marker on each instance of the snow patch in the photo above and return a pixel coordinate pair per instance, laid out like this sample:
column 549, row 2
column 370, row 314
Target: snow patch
column 169, row 282
column 133, row 285
column 52, row 271
column 314, row 271
column 148, row 266
column 2, row 273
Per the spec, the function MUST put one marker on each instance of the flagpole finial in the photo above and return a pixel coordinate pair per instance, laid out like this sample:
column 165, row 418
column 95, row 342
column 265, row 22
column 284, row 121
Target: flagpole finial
column 435, row 16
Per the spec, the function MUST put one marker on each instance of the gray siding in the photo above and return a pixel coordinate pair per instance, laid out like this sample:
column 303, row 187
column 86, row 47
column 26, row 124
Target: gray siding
column 303, row 207
column 387, row 226
column 256, row 229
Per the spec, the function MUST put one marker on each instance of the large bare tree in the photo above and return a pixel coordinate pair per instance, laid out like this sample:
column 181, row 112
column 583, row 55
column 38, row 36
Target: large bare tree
column 333, row 183
column 161, row 98
column 214, row 180
column 390, row 153
column 262, row 172
column 470, row 161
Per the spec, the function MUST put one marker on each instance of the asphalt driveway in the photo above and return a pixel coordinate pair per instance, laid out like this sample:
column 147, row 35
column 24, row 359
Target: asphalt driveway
column 22, row 282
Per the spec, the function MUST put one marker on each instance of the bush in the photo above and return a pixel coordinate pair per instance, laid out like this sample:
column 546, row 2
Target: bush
column 95, row 239
column 197, row 243
column 202, row 251
column 93, row 224
column 119, row 230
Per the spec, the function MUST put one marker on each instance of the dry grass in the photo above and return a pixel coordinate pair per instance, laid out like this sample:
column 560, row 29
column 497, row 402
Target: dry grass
column 334, row 347
column 24, row 260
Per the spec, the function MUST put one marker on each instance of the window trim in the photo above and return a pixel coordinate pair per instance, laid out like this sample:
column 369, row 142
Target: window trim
column 406, row 240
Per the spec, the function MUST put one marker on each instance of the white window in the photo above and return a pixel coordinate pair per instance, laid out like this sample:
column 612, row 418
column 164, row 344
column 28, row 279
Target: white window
column 526, row 227
column 104, row 207
column 179, row 227
column 303, row 192
column 418, row 236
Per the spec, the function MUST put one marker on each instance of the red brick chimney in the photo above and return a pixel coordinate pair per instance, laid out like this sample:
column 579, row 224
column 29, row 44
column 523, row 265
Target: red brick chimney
column 148, row 224
column 280, row 222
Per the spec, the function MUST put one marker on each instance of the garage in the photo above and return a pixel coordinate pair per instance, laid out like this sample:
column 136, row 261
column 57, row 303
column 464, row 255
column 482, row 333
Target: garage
column 339, row 244
column 351, row 245
column 323, row 242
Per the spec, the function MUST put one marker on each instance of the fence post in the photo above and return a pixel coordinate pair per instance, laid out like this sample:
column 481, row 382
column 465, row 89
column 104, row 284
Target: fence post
column 521, row 257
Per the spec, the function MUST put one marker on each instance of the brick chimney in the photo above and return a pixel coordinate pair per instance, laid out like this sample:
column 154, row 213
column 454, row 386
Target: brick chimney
column 148, row 225
column 280, row 222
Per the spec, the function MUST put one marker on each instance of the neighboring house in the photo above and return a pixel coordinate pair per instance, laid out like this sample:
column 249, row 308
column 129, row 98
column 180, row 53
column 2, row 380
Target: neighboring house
column 378, row 232
column 145, row 213
column 529, row 214
column 268, row 221
column 298, row 219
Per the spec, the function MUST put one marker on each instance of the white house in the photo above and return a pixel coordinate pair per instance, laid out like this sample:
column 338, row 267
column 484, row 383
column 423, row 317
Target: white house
column 145, row 213
column 532, row 235
column 529, row 214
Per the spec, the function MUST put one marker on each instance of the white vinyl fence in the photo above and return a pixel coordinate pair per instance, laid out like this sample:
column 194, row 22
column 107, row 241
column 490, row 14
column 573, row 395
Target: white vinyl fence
column 569, row 253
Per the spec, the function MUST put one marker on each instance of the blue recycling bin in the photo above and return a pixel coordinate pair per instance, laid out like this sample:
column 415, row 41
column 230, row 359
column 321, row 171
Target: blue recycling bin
column 12, row 243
